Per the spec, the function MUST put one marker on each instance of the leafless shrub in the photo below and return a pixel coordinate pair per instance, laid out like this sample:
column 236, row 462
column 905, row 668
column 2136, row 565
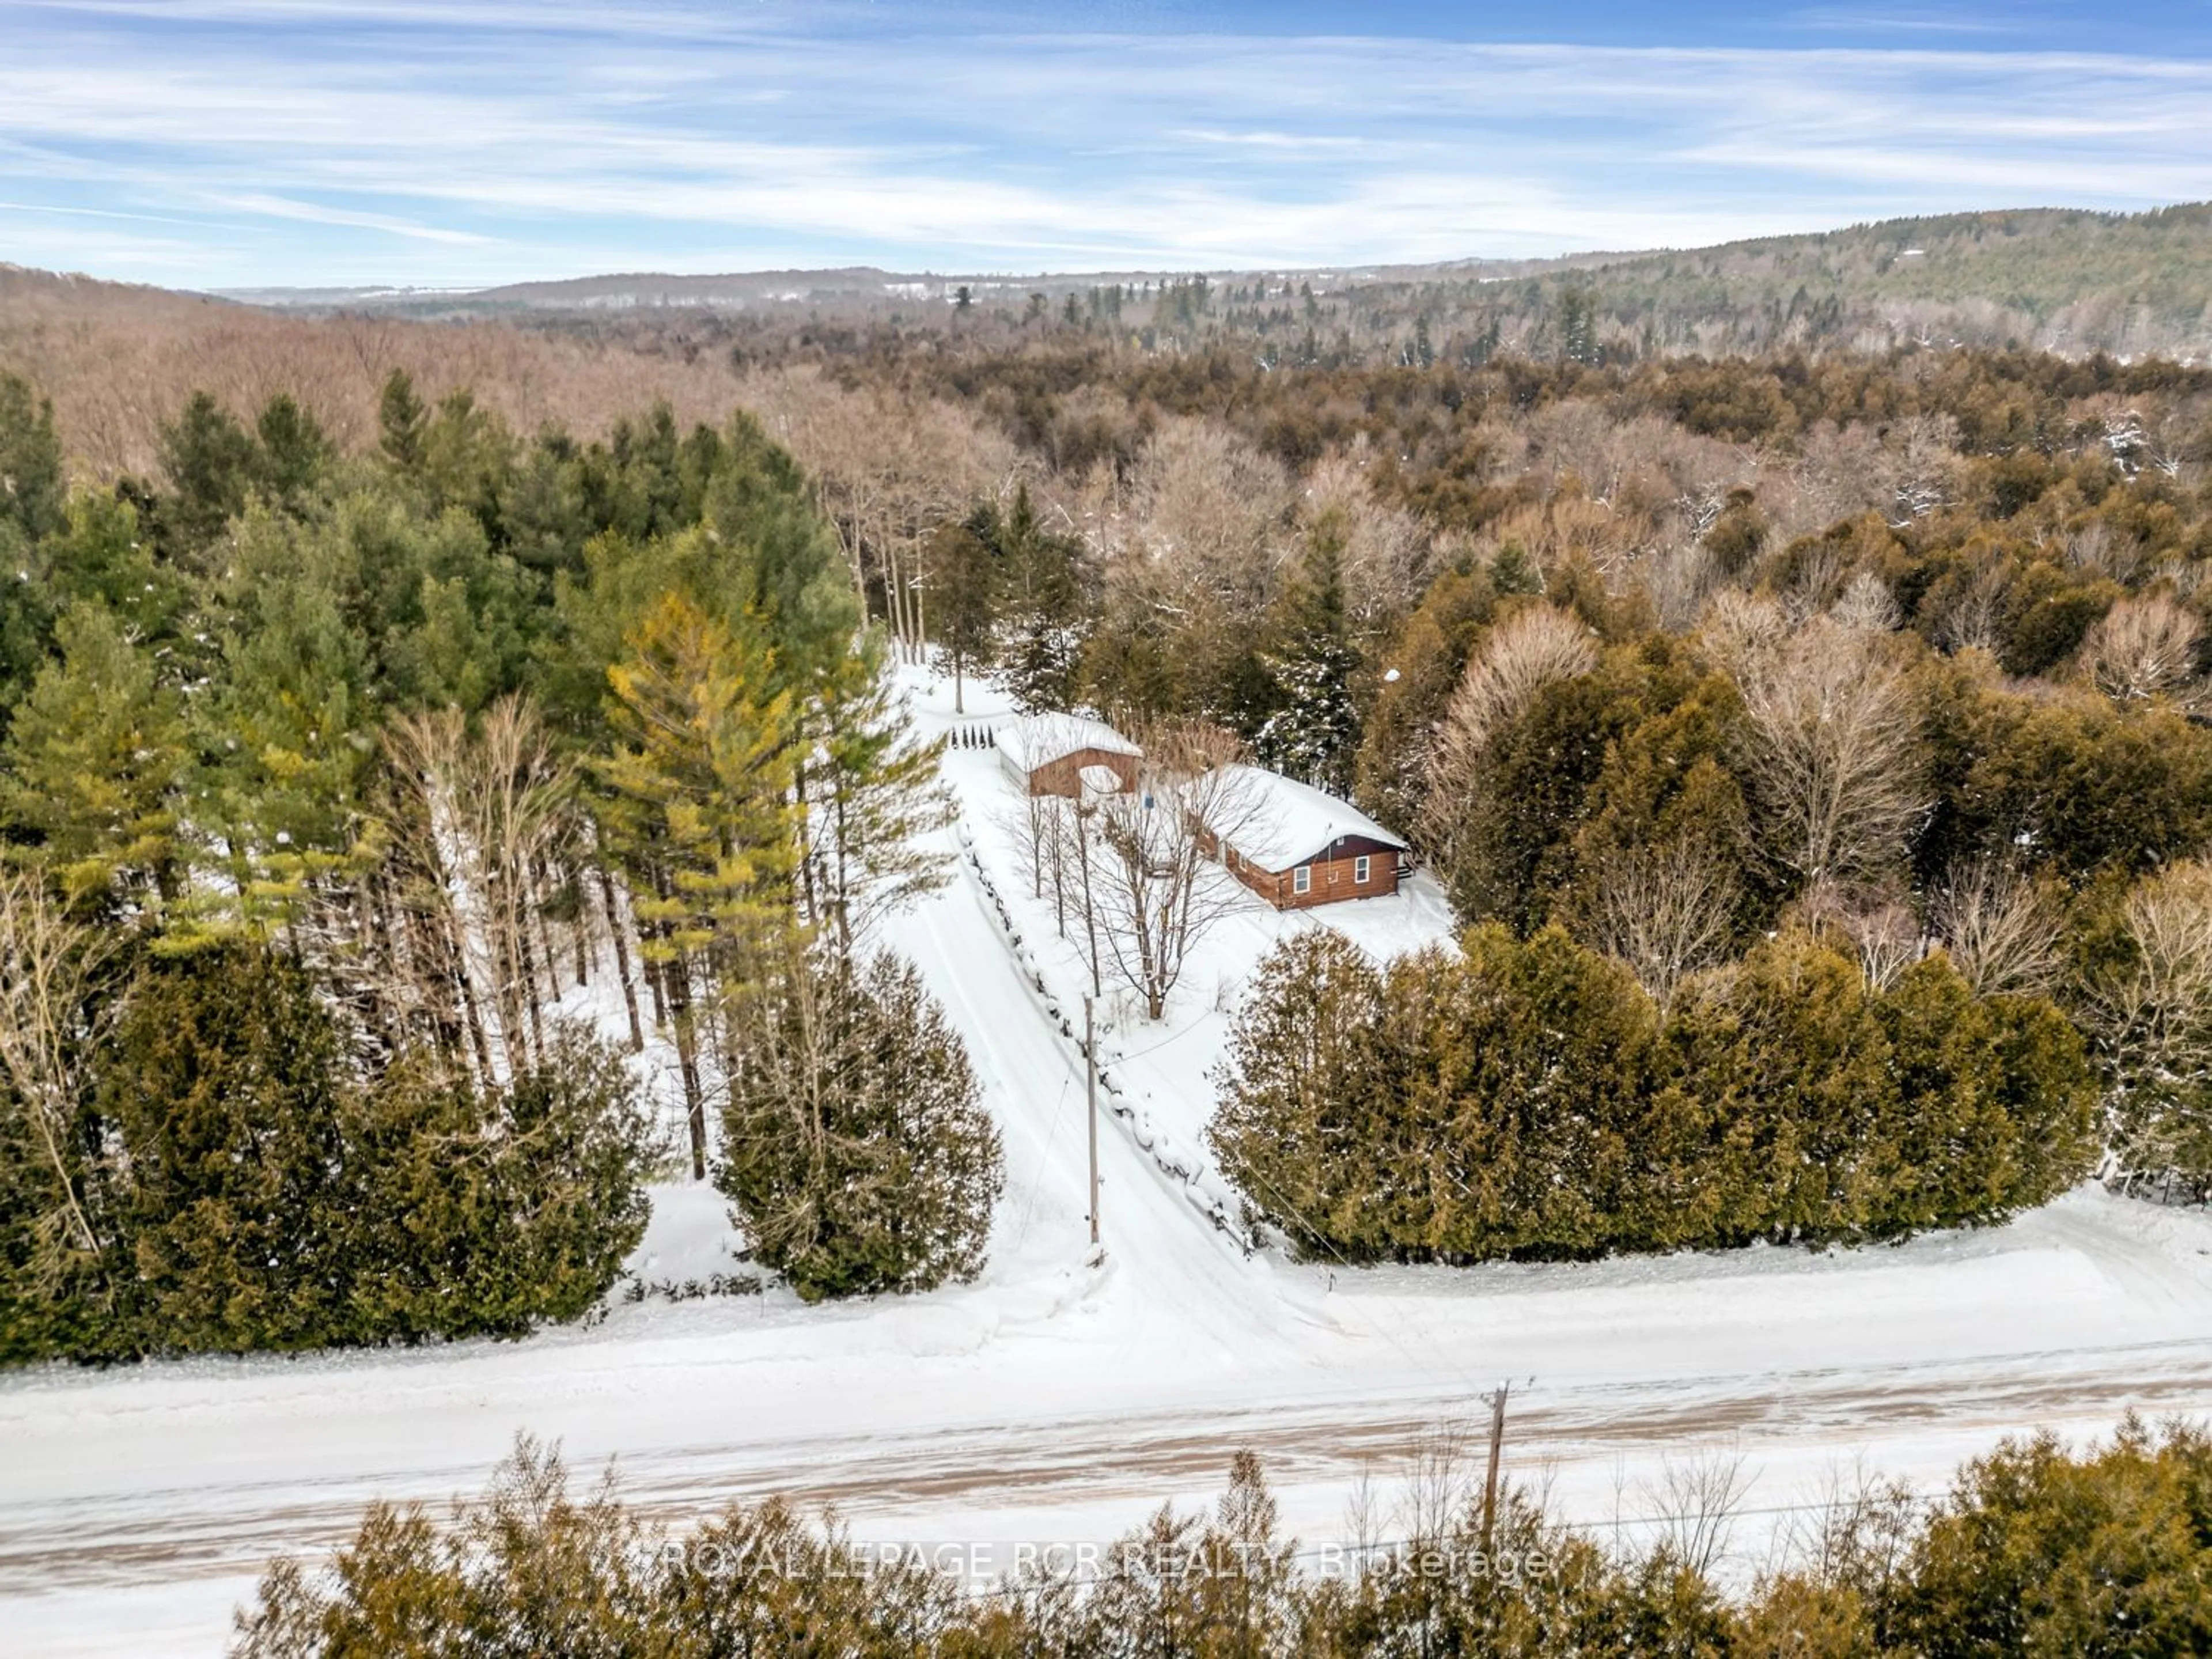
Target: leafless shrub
column 1856, row 1537
column 1529, row 650
column 1665, row 911
column 1439, row 1484
column 2000, row 933
column 1697, row 1499
column 1865, row 605
column 2100, row 551
column 1833, row 759
column 2144, row 647
column 1874, row 925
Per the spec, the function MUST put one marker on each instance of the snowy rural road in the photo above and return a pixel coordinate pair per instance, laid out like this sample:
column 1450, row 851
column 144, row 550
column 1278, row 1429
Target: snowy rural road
column 118, row 1548
column 217, row 1528
column 1053, row 1402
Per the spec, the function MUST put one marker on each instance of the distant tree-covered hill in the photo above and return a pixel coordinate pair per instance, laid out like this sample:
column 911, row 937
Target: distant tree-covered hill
column 2053, row 279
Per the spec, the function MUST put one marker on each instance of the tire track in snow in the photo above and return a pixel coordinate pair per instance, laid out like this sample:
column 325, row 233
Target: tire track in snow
column 213, row 1530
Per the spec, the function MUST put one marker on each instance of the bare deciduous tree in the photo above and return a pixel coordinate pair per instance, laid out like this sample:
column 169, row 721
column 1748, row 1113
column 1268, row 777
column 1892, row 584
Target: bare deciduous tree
column 1665, row 912
column 49, row 963
column 1834, row 759
column 1968, row 617
column 1739, row 630
column 1865, row 605
column 1529, row 650
column 493, row 805
column 1698, row 1500
column 2154, row 1014
column 889, row 468
column 2144, row 647
column 1678, row 577
column 2000, row 933
column 1159, row 889
column 1385, row 549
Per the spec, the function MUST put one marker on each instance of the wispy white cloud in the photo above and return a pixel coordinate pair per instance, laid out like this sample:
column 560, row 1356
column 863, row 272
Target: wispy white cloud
column 380, row 139
column 314, row 213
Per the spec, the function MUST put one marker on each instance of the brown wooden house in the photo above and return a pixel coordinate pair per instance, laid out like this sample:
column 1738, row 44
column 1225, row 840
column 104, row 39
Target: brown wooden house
column 1296, row 847
column 1055, row 755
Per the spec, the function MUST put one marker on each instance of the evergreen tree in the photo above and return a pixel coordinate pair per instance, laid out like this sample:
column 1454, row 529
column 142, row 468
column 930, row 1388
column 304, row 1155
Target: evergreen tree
column 1313, row 734
column 285, row 736
column 294, row 451
column 489, row 1211
column 1421, row 667
column 697, row 804
column 1299, row 1088
column 92, row 762
column 963, row 578
column 211, row 463
column 702, row 778
column 857, row 1156
column 103, row 553
column 400, row 420
column 224, row 1090
column 27, row 618
column 1528, row 1099
column 466, row 456
column 33, row 488
column 33, row 505
column 771, row 552
column 2035, row 1552
column 869, row 796
column 264, row 1196
column 1041, row 608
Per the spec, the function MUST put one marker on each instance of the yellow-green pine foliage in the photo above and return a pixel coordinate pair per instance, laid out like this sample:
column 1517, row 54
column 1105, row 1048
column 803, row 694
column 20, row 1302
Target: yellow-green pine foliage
column 699, row 785
column 91, row 764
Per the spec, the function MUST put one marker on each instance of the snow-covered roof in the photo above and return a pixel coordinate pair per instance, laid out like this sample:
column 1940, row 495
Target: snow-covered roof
column 1279, row 821
column 1040, row 739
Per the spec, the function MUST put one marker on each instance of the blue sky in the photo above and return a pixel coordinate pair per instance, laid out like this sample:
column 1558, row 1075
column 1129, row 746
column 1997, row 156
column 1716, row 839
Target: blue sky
column 217, row 144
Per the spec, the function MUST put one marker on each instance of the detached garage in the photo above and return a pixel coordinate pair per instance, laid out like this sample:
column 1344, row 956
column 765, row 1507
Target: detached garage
column 1296, row 847
column 1063, row 754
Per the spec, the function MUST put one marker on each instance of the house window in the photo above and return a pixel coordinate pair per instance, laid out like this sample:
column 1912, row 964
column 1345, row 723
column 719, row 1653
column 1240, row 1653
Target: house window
column 1359, row 872
column 1301, row 880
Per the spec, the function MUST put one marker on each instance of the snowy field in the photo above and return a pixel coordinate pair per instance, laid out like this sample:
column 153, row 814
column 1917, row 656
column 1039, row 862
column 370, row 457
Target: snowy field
column 1054, row 1401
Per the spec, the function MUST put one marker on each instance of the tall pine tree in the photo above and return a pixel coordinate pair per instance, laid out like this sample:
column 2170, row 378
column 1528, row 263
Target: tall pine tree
column 1313, row 734
column 92, row 763
column 1042, row 606
column 697, row 804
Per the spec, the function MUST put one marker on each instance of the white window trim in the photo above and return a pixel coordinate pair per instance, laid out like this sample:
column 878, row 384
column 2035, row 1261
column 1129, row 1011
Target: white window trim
column 1360, row 867
column 1301, row 880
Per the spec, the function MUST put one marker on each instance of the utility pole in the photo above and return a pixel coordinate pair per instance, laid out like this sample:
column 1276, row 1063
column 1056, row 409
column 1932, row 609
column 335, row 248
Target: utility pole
column 1090, row 1082
column 1496, row 1403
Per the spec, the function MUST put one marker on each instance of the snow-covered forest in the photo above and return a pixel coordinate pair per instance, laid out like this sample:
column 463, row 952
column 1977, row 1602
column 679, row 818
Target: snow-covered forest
column 462, row 883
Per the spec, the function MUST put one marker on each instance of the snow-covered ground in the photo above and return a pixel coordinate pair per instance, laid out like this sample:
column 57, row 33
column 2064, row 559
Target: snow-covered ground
column 1052, row 1401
